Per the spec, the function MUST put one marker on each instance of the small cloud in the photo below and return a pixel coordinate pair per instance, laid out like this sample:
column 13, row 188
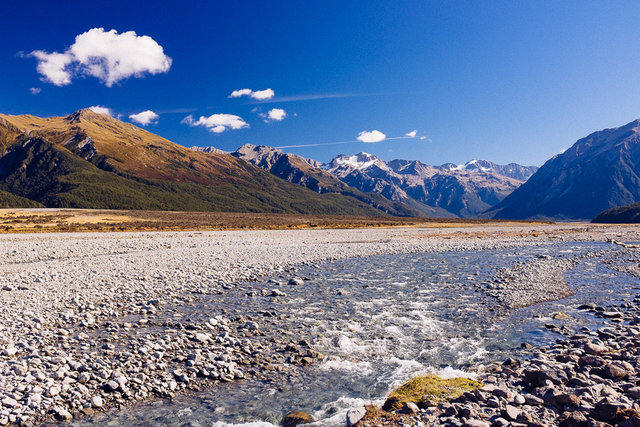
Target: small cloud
column 411, row 134
column 145, row 118
column 371, row 137
column 35, row 90
column 53, row 67
column 240, row 92
column 217, row 123
column 258, row 94
column 108, row 56
column 274, row 115
column 101, row 110
column 422, row 138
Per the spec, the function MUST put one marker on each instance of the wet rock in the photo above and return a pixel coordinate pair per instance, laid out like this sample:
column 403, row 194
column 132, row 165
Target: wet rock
column 296, row 418
column 296, row 281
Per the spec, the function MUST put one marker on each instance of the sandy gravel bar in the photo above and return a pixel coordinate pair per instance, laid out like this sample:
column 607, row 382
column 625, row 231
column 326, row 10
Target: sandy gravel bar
column 84, row 324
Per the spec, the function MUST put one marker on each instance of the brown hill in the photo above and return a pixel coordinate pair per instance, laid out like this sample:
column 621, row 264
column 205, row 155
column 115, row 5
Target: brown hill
column 92, row 160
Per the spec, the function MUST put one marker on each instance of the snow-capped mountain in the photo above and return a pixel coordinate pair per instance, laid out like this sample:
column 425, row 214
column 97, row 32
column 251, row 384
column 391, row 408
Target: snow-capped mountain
column 412, row 187
column 512, row 170
column 463, row 190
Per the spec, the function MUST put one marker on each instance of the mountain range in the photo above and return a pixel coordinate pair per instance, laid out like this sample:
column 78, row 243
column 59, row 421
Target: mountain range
column 445, row 191
column 92, row 160
column 599, row 172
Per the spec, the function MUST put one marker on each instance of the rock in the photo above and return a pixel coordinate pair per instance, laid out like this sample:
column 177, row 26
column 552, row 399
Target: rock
column 533, row 400
column 354, row 415
column 511, row 412
column 9, row 402
column 97, row 402
column 252, row 326
column 563, row 400
column 613, row 371
column 476, row 423
column 591, row 348
column 202, row 337
column 573, row 419
column 410, row 408
column 53, row 391
column 634, row 392
column 590, row 360
column 111, row 386
column 9, row 351
column 63, row 415
column 538, row 377
column 277, row 293
column 612, row 314
column 296, row 281
column 609, row 411
column 296, row 418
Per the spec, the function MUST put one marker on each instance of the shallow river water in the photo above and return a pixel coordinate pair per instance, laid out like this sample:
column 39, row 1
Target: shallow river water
column 380, row 321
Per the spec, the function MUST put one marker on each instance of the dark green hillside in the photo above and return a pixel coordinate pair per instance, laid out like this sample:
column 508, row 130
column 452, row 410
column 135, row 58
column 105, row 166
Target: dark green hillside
column 8, row 200
column 627, row 214
column 51, row 175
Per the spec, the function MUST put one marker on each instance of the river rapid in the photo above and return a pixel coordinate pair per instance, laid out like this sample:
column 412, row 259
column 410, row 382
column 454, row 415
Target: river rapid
column 379, row 321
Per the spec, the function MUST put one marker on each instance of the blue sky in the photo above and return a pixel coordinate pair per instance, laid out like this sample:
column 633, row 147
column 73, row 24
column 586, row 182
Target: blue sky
column 507, row 81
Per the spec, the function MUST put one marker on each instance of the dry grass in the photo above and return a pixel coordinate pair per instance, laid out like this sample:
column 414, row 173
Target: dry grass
column 56, row 220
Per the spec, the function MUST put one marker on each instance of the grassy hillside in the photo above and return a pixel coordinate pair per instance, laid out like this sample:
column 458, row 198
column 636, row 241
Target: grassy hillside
column 54, row 177
column 8, row 200
column 90, row 160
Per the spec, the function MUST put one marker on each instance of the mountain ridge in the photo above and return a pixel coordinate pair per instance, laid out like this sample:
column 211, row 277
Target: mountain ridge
column 598, row 172
column 92, row 160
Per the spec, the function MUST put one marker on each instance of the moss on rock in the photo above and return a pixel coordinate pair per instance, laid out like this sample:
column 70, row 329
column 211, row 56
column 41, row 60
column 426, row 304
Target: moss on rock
column 429, row 388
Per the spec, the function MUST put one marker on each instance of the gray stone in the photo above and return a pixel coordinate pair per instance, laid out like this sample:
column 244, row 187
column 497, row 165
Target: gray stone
column 354, row 415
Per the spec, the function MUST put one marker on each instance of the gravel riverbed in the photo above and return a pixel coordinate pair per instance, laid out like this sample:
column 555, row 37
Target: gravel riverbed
column 93, row 321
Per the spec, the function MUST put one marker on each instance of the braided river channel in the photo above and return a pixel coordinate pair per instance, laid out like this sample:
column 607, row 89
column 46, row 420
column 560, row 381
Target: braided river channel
column 378, row 321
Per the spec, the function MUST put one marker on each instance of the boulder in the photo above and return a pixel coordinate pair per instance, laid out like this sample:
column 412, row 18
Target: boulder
column 296, row 418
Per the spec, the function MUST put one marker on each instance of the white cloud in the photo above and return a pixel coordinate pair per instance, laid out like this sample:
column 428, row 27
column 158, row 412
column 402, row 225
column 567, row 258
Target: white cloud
column 371, row 137
column 53, row 66
column 240, row 92
column 411, row 134
column 106, row 55
column 35, row 90
column 263, row 94
column 217, row 123
column 145, row 118
column 422, row 138
column 273, row 115
column 101, row 110
column 258, row 94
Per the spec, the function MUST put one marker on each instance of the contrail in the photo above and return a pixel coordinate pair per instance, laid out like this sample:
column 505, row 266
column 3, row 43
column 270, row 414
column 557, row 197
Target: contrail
column 343, row 142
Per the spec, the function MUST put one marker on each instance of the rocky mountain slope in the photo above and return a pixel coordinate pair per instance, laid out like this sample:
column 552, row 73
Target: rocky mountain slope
column 598, row 172
column 91, row 160
column 443, row 191
column 462, row 190
column 308, row 173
